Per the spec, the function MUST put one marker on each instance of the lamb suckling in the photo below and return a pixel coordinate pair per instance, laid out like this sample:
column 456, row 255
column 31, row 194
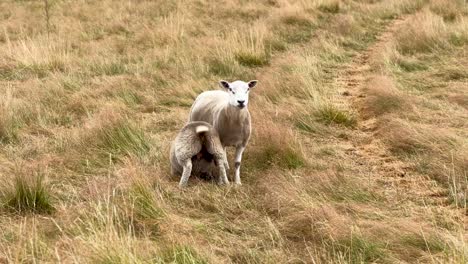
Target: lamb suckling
column 195, row 149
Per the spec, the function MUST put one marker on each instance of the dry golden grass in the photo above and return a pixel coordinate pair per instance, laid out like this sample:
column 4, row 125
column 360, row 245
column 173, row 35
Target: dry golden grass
column 91, row 102
column 382, row 97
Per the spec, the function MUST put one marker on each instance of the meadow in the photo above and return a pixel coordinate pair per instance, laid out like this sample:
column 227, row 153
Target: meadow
column 359, row 151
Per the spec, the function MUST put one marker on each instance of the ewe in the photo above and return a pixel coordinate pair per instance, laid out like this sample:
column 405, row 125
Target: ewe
column 227, row 112
column 193, row 151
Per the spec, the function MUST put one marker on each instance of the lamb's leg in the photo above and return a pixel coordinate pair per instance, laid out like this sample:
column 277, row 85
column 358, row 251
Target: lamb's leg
column 186, row 173
column 222, row 177
column 239, row 151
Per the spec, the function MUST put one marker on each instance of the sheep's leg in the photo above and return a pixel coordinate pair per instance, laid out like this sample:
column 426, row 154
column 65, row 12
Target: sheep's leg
column 239, row 151
column 226, row 163
column 222, row 177
column 186, row 173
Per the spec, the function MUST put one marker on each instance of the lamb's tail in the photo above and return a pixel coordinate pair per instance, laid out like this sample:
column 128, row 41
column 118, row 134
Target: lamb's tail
column 201, row 128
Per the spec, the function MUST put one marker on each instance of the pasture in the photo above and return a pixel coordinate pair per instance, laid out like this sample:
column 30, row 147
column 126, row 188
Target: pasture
column 358, row 152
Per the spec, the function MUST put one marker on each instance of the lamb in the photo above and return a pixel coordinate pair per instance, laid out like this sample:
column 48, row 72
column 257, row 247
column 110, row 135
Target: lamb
column 193, row 151
column 227, row 112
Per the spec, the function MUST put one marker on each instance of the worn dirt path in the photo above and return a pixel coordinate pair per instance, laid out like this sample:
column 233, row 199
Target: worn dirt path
column 399, row 182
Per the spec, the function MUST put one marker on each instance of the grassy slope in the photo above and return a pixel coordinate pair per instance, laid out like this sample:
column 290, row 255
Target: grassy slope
column 91, row 102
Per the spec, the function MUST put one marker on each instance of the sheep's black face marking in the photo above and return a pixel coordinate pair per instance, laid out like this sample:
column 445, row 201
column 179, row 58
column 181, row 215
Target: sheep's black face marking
column 238, row 92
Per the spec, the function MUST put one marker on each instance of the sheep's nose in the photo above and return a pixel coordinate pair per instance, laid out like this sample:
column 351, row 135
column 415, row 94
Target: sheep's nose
column 241, row 103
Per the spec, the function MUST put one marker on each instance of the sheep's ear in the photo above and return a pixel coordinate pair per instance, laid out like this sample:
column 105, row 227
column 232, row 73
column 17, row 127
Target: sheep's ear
column 224, row 84
column 253, row 83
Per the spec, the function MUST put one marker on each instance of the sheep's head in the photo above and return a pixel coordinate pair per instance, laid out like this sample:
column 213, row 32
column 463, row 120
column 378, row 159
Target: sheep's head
column 238, row 92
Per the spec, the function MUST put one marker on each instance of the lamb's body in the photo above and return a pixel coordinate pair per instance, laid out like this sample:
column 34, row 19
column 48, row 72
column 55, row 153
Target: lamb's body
column 232, row 122
column 190, row 149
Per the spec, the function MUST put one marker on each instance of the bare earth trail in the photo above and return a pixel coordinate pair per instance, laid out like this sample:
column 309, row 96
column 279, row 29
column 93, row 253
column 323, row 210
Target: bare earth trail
column 399, row 183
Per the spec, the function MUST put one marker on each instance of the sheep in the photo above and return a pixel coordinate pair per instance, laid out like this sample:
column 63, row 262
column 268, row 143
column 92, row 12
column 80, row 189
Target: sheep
column 195, row 147
column 226, row 110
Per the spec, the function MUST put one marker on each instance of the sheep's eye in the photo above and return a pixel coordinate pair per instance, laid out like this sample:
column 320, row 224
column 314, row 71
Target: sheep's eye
column 231, row 91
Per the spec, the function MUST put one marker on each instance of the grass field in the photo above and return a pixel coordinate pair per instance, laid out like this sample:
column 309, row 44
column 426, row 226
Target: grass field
column 359, row 151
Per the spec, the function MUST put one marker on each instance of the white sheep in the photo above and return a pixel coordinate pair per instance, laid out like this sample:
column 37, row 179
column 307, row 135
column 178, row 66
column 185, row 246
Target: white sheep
column 227, row 111
column 193, row 151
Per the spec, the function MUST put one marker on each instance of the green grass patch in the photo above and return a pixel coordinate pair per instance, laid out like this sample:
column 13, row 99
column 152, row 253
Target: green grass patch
column 108, row 68
column 330, row 114
column 330, row 7
column 339, row 188
column 286, row 157
column 428, row 243
column 275, row 44
column 250, row 59
column 109, row 143
column 252, row 256
column 183, row 255
column 225, row 68
column 411, row 7
column 29, row 195
column 177, row 101
column 9, row 129
column 295, row 29
column 145, row 202
column 123, row 138
column 24, row 72
column 129, row 97
column 458, row 39
column 411, row 65
column 358, row 249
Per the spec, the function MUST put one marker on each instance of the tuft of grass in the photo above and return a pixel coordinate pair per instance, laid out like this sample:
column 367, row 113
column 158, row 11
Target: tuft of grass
column 108, row 138
column 410, row 6
column 252, row 256
column 382, row 97
column 108, row 68
column 295, row 29
column 123, row 138
column 129, row 97
column 283, row 152
column 29, row 195
column 330, row 7
column 358, row 249
column 225, row 68
column 429, row 243
column 251, row 59
column 275, row 44
column 341, row 189
column 145, row 202
column 411, row 65
column 449, row 10
column 309, row 124
column 183, row 255
column 424, row 33
column 330, row 114
column 281, row 156
column 13, row 115
column 402, row 138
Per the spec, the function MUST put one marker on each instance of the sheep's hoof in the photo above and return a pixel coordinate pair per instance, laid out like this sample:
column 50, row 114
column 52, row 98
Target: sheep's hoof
column 182, row 186
column 223, row 183
column 238, row 183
